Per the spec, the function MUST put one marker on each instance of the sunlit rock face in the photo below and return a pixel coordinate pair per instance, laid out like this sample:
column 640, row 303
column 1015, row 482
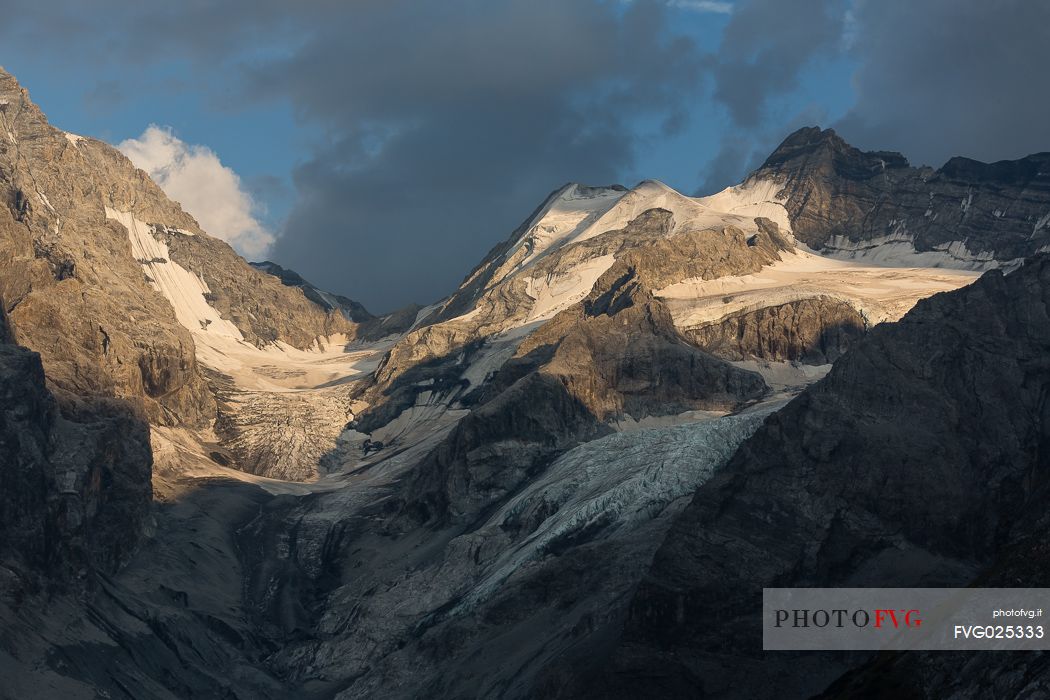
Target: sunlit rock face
column 814, row 330
column 220, row 480
column 121, row 292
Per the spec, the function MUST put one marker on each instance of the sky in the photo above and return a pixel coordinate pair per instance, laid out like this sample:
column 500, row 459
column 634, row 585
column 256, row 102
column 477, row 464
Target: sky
column 381, row 147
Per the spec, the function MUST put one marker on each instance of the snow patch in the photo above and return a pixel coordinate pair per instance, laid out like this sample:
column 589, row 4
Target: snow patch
column 213, row 193
column 492, row 355
column 569, row 213
column 423, row 314
column 1041, row 223
column 877, row 293
column 46, row 202
column 183, row 289
column 753, row 198
column 580, row 213
column 556, row 292
column 328, row 298
column 734, row 206
column 897, row 249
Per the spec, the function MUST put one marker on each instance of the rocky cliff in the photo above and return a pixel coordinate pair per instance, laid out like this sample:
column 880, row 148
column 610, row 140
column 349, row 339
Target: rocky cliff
column 353, row 310
column 815, row 330
column 845, row 201
column 70, row 284
column 560, row 428
column 843, row 487
column 614, row 354
column 74, row 483
column 658, row 246
column 96, row 310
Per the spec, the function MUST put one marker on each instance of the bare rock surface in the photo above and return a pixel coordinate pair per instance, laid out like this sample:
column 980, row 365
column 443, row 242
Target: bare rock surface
column 844, row 488
column 73, row 290
column 816, row 331
column 353, row 310
column 652, row 245
column 484, row 511
column 77, row 294
column 262, row 308
column 74, row 486
column 615, row 354
column 845, row 201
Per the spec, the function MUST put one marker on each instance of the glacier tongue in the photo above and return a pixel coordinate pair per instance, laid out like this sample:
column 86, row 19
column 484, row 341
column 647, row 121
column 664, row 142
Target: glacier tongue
column 490, row 610
column 605, row 489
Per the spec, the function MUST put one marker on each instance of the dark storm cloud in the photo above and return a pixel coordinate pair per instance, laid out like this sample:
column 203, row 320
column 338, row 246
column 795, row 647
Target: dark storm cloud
column 934, row 79
column 766, row 46
column 727, row 165
column 443, row 124
column 744, row 150
column 438, row 126
column 943, row 78
column 446, row 124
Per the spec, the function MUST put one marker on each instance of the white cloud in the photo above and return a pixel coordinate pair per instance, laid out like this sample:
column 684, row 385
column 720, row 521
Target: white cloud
column 211, row 192
column 724, row 8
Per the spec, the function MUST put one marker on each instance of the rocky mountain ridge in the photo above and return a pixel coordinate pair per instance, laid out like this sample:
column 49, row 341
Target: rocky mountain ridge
column 353, row 310
column 841, row 488
column 528, row 486
column 71, row 276
column 843, row 201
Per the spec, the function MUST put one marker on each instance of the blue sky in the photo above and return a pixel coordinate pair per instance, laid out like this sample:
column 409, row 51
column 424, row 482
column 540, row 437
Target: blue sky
column 387, row 146
column 265, row 140
column 258, row 141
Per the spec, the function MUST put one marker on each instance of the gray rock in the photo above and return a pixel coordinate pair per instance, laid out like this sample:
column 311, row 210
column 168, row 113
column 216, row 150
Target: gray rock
column 844, row 487
column 263, row 308
column 616, row 353
column 353, row 310
column 74, row 486
column 656, row 254
column 832, row 189
column 503, row 555
column 70, row 284
column 815, row 331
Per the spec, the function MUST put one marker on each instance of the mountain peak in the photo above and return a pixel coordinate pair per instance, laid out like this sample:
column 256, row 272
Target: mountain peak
column 811, row 143
column 840, row 199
